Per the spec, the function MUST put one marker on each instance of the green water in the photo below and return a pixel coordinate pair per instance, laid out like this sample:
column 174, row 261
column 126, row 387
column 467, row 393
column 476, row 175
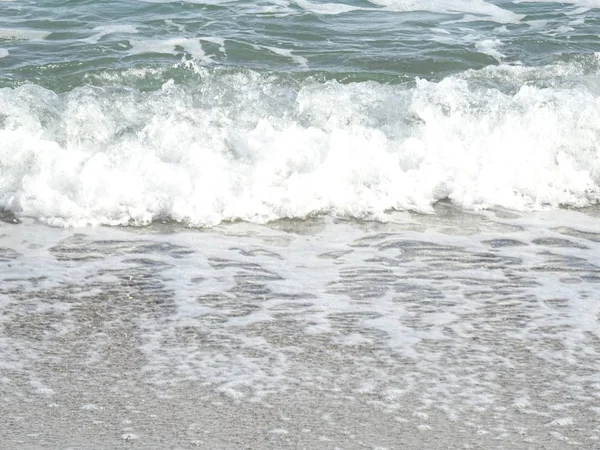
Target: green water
column 61, row 45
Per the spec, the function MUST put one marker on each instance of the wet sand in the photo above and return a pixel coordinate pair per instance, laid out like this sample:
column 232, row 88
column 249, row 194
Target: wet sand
column 448, row 331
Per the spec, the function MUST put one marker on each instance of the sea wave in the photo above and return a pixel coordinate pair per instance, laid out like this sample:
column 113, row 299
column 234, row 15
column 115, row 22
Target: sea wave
column 244, row 145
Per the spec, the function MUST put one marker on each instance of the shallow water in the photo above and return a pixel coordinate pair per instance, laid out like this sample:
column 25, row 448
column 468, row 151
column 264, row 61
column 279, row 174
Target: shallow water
column 209, row 111
column 456, row 330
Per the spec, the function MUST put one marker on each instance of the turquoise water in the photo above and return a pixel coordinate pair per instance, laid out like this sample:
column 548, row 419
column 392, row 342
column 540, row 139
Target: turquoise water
column 127, row 112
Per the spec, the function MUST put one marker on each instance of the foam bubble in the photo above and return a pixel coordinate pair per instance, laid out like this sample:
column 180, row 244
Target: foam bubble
column 241, row 145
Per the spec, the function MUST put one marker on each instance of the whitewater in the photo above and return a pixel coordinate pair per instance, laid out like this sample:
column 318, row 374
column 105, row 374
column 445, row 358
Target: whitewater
column 299, row 224
column 119, row 135
column 248, row 146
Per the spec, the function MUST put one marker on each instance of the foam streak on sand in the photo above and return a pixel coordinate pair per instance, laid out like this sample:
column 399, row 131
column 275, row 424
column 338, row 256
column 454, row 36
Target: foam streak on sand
column 427, row 326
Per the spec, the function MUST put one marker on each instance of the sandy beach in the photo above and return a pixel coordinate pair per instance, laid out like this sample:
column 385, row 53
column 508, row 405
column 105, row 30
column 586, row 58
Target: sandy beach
column 457, row 330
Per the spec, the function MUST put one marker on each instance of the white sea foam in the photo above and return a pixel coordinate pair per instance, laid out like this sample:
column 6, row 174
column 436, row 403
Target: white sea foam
column 170, row 23
column 102, row 31
column 170, row 46
column 488, row 46
column 564, row 29
column 215, row 40
column 475, row 10
column 21, row 34
column 247, row 146
column 300, row 60
column 276, row 7
column 579, row 3
column 577, row 11
column 198, row 2
column 3, row 53
column 327, row 8
column 123, row 76
column 478, row 7
column 242, row 308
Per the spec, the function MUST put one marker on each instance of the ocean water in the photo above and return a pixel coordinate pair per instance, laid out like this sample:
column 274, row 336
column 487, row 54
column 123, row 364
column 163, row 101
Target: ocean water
column 299, row 224
column 204, row 112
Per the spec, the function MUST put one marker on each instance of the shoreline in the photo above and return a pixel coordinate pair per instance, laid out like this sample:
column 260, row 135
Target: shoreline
column 448, row 331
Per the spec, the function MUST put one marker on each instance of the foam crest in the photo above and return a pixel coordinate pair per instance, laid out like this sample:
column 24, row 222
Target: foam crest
column 241, row 145
column 488, row 46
